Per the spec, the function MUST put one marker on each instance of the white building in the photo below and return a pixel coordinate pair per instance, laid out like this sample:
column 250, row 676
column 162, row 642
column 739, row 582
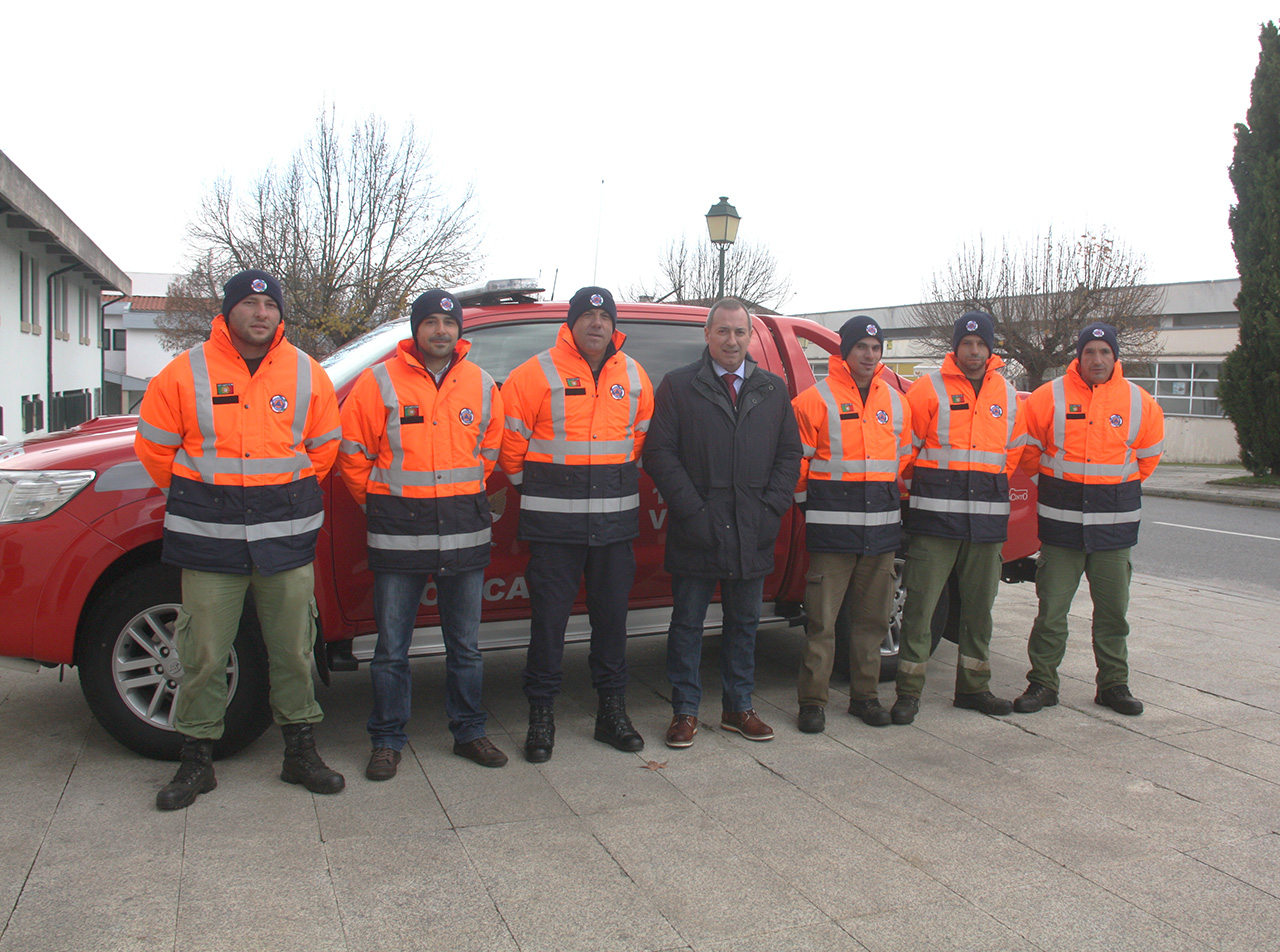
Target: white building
column 51, row 282
column 1199, row 326
column 132, row 353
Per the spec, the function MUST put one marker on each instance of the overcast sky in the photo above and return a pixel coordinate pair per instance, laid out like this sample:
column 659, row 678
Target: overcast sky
column 864, row 148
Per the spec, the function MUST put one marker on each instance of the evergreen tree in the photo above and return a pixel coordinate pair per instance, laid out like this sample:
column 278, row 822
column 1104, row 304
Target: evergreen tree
column 1250, row 384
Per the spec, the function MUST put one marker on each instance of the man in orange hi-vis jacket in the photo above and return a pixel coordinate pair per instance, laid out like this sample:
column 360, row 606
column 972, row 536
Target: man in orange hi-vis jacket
column 420, row 435
column 238, row 432
column 577, row 415
column 856, row 433
column 966, row 422
column 1093, row 437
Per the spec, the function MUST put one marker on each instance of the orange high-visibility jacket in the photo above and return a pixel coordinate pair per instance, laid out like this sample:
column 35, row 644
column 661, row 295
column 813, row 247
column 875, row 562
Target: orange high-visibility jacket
column 1088, row 451
column 848, row 483
column 240, row 455
column 572, row 443
column 417, row 457
column 965, row 446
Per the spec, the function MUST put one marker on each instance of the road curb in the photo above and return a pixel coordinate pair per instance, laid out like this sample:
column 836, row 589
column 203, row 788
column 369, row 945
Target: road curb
column 1201, row 495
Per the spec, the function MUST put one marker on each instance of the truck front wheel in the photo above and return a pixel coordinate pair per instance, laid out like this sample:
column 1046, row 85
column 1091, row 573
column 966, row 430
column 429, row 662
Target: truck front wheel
column 130, row 675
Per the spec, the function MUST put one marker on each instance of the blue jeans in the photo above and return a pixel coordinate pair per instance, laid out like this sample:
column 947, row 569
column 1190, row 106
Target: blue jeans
column 396, row 596
column 740, row 600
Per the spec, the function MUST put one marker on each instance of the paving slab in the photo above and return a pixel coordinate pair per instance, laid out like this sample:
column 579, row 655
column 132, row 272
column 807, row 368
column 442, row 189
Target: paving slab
column 1074, row 828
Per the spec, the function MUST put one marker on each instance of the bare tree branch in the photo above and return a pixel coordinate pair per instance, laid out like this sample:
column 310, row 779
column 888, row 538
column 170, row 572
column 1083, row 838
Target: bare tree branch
column 1041, row 294
column 354, row 226
column 690, row 274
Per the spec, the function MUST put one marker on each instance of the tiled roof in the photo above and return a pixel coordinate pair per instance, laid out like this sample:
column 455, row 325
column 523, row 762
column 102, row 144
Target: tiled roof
column 147, row 303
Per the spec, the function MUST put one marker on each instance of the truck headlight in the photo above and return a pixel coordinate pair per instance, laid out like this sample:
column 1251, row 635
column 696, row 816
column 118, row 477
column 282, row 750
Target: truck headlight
column 28, row 495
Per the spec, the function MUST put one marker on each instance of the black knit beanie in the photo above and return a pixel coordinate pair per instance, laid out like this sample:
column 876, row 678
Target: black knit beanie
column 249, row 282
column 975, row 322
column 584, row 299
column 434, row 301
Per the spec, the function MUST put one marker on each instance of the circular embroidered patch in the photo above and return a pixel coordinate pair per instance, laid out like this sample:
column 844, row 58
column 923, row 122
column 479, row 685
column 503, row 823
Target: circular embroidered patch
column 597, row 300
column 882, row 417
column 446, row 304
column 466, row 416
column 1099, row 332
column 871, row 330
column 279, row 403
column 971, row 326
column 1116, row 420
column 259, row 286
column 617, row 392
column 997, row 410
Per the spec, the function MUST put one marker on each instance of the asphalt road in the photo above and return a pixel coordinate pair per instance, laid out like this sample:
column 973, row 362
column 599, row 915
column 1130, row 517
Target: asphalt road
column 1231, row 548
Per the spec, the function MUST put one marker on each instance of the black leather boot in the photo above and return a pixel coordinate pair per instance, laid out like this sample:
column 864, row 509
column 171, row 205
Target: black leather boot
column 302, row 764
column 542, row 734
column 194, row 776
column 614, row 727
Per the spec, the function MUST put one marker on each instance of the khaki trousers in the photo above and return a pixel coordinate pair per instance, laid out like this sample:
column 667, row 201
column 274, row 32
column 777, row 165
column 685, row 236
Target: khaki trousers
column 868, row 582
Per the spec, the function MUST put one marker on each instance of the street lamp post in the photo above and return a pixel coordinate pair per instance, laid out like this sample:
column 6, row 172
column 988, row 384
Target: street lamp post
column 722, row 225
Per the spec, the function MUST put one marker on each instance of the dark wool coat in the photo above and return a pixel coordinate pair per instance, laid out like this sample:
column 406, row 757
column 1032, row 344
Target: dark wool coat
column 728, row 476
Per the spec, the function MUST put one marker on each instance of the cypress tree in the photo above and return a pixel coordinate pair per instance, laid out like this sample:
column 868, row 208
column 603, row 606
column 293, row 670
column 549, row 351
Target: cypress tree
column 1250, row 380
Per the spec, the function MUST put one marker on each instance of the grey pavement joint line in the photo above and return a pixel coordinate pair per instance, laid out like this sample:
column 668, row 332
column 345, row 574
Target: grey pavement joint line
column 44, row 836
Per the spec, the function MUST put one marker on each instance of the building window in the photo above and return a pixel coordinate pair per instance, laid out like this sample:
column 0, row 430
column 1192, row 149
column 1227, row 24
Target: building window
column 32, row 413
column 1183, row 388
column 119, row 340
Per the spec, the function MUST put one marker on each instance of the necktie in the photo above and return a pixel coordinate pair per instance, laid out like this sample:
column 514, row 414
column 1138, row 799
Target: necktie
column 730, row 382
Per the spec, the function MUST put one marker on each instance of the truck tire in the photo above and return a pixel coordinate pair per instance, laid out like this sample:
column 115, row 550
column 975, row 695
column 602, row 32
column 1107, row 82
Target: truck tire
column 129, row 675
column 945, row 624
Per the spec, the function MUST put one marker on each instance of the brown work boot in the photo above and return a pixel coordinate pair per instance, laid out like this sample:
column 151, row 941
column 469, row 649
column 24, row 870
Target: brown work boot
column 747, row 723
column 682, row 730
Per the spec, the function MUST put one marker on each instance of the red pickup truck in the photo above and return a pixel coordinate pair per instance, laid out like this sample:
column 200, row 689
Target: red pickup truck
column 81, row 580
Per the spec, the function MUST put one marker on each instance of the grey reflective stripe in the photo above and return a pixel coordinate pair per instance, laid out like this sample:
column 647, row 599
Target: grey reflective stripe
column 1032, row 441
column 835, row 432
column 351, row 448
column 802, row 496
column 558, row 433
column 209, row 467
column 943, row 419
column 430, row 543
column 563, row 448
column 323, row 438
column 516, row 478
column 395, row 441
column 1135, row 422
column 1059, row 390
column 1010, row 413
column 853, row 466
column 202, row 390
column 580, row 506
column 490, row 454
column 1022, row 440
column 895, row 402
column 158, row 436
column 807, row 451
column 242, row 533
column 633, row 401
column 1153, row 450
column 429, row 477
column 486, row 414
column 516, row 425
column 974, row 664
column 643, row 426
column 828, row 517
column 1059, row 467
column 301, row 397
column 1090, row 518
column 945, row 455
column 910, row 667
column 971, row 506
